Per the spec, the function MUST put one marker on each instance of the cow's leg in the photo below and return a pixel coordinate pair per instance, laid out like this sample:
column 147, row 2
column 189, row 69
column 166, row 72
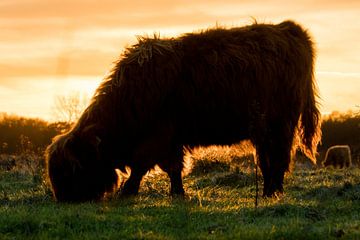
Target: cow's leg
column 263, row 162
column 280, row 160
column 131, row 186
column 274, row 154
column 273, row 165
column 173, row 166
column 176, row 187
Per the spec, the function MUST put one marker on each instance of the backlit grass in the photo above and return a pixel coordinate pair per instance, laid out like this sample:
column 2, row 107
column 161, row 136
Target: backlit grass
column 318, row 204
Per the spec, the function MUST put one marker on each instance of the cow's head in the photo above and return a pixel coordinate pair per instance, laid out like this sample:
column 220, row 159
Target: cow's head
column 76, row 170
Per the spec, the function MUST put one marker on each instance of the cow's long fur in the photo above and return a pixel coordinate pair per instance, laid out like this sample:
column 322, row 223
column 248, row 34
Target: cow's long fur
column 218, row 86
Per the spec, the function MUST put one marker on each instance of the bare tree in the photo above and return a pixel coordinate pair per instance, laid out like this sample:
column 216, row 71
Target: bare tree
column 68, row 108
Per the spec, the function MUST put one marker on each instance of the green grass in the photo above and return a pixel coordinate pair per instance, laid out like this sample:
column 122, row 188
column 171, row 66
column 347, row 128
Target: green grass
column 318, row 204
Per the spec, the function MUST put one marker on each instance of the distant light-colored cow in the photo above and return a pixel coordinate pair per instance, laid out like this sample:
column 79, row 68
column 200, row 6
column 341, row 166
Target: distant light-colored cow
column 338, row 156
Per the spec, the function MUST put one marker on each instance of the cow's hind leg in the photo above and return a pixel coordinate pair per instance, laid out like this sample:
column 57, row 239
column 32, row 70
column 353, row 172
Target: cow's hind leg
column 274, row 155
column 173, row 166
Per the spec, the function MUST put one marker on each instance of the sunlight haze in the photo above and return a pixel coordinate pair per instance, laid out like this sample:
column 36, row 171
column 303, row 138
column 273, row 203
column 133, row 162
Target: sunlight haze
column 53, row 48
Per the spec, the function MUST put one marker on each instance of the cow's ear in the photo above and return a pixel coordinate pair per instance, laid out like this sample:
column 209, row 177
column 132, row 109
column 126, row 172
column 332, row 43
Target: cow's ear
column 90, row 135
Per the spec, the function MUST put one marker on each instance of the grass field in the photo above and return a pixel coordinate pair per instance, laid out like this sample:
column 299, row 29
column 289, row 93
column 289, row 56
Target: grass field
column 318, row 204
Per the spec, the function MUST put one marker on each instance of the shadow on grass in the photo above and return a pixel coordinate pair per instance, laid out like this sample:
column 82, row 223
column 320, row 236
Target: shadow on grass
column 180, row 220
column 347, row 191
column 126, row 219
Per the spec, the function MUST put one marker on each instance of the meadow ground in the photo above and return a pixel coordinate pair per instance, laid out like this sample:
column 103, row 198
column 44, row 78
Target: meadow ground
column 319, row 204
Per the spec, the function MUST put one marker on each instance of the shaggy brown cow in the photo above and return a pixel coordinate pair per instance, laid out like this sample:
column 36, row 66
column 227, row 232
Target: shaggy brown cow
column 338, row 156
column 218, row 86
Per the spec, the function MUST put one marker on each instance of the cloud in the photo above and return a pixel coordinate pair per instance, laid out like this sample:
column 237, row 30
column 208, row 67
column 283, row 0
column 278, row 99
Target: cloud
column 76, row 62
column 42, row 18
column 92, row 9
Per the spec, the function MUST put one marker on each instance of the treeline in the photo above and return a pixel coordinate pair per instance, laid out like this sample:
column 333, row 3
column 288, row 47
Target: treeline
column 19, row 134
column 341, row 129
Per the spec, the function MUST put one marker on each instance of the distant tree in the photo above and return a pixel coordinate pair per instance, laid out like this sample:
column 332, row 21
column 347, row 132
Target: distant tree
column 69, row 108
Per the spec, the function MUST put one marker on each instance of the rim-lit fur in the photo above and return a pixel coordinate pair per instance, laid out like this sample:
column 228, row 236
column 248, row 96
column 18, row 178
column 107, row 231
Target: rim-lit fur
column 218, row 86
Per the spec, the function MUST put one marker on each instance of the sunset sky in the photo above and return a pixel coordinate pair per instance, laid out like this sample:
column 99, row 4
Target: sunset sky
column 52, row 48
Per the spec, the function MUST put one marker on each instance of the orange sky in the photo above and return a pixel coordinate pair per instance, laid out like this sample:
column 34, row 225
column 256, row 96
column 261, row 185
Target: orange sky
column 51, row 48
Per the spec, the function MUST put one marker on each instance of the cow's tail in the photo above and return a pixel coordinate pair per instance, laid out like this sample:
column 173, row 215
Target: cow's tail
column 310, row 131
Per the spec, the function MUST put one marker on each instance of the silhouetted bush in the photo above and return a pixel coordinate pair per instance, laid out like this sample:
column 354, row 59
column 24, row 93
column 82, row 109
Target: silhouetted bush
column 20, row 133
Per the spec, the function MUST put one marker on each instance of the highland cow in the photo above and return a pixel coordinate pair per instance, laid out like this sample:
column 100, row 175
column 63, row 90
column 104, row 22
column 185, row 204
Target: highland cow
column 214, row 87
column 338, row 156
